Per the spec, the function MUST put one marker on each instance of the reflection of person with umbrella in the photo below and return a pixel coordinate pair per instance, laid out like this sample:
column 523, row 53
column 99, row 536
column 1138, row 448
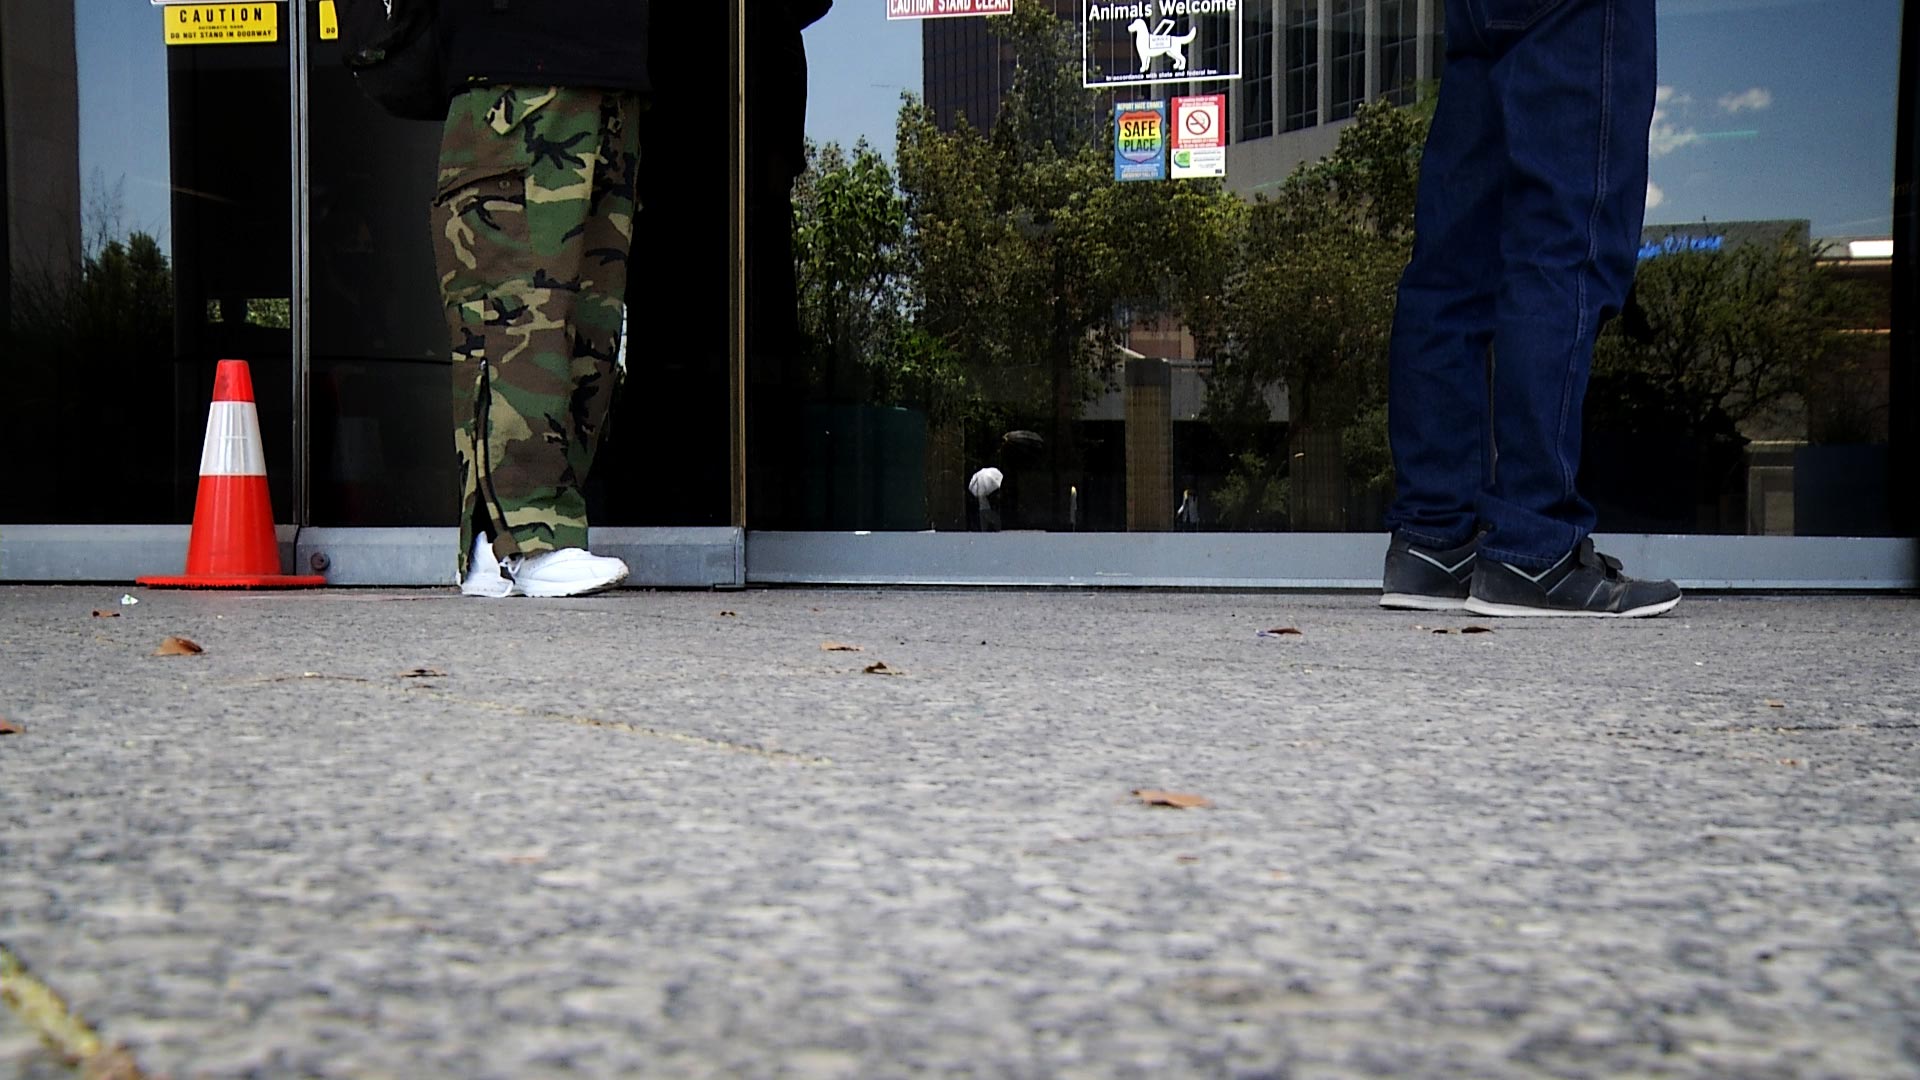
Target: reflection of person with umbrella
column 1187, row 517
column 996, row 499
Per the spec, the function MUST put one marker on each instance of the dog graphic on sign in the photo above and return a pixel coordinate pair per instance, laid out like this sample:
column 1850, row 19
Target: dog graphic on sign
column 1160, row 41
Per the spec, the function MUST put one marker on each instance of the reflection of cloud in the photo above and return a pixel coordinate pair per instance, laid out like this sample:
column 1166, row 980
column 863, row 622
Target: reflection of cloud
column 1757, row 98
column 1654, row 195
column 1665, row 137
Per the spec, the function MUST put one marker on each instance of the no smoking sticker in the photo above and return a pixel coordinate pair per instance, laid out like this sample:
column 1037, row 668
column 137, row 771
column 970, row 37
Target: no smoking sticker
column 1199, row 147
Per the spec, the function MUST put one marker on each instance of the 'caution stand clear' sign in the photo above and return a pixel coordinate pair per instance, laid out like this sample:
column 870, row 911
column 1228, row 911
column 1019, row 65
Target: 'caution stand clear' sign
column 942, row 9
column 222, row 24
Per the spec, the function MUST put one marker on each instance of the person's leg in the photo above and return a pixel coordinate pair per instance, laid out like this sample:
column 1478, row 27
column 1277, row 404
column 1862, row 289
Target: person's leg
column 533, row 312
column 607, row 239
column 1575, row 83
column 1444, row 319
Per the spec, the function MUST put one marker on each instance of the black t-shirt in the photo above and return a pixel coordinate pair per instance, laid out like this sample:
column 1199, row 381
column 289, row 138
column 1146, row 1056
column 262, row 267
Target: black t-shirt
column 595, row 43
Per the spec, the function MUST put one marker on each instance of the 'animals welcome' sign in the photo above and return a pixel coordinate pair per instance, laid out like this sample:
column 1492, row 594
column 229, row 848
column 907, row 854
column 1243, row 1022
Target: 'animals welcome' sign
column 1155, row 41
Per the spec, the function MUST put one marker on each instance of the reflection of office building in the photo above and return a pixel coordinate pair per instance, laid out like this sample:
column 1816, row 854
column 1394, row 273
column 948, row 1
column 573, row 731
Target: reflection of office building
column 1309, row 65
column 39, row 147
column 1306, row 66
column 1814, row 462
column 967, row 69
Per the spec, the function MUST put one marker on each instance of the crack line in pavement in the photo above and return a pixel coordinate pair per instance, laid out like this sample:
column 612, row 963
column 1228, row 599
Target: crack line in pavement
column 1067, row 841
column 42, row 1008
column 704, row 742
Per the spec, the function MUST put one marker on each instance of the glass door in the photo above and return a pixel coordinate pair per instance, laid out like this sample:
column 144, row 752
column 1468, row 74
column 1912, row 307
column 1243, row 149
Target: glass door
column 1021, row 295
column 382, row 449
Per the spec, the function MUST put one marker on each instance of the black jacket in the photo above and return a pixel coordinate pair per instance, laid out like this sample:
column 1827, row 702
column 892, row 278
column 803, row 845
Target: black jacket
column 777, row 90
column 595, row 43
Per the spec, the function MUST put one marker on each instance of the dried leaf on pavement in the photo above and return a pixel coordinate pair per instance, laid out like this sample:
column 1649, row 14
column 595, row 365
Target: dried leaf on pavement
column 424, row 673
column 834, row 646
column 1175, row 799
column 728, row 615
column 178, row 646
column 1772, row 704
column 879, row 667
column 8, row 727
column 98, row 614
column 1283, row 631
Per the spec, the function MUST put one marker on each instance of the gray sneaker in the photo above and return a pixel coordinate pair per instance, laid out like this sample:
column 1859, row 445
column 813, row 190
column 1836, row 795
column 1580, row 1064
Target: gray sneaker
column 1583, row 583
column 1423, row 579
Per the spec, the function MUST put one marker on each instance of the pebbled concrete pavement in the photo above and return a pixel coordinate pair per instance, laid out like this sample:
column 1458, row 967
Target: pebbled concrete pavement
column 670, row 835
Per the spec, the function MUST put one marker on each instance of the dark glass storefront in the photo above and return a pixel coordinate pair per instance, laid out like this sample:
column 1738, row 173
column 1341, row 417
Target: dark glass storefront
column 948, row 293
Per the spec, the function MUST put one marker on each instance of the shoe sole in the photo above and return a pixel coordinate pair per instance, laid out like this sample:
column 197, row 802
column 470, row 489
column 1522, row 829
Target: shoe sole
column 1416, row 602
column 504, row 590
column 1517, row 611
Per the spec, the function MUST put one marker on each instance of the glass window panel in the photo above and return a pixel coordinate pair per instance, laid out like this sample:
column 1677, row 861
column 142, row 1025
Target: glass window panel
column 1303, row 64
column 1399, row 35
column 1753, row 397
column 1172, row 355
column 1349, row 87
column 383, row 442
column 1256, row 85
column 148, row 225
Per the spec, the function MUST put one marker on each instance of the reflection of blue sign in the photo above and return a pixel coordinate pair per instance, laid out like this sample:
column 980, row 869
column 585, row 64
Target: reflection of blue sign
column 1678, row 242
column 1140, row 140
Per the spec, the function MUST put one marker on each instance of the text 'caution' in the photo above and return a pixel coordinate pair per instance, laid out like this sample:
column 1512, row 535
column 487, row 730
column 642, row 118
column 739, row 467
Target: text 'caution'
column 222, row 24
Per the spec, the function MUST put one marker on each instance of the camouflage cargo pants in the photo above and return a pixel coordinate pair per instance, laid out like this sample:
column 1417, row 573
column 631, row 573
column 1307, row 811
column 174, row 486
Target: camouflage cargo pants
column 532, row 225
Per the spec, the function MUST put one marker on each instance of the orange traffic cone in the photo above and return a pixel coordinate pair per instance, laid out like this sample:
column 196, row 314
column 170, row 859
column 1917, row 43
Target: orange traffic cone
column 233, row 544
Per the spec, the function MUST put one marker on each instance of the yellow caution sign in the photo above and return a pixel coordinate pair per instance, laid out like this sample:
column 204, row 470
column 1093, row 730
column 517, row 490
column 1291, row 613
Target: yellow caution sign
column 222, row 24
column 329, row 21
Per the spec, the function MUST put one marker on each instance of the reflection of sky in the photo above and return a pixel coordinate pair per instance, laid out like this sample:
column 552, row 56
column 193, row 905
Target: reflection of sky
column 122, row 56
column 859, row 64
column 1805, row 130
column 1774, row 108
column 1777, row 110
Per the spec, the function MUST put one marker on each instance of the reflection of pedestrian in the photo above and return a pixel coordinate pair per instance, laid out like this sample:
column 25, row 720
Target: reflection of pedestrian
column 983, row 486
column 533, row 222
column 776, row 154
column 1187, row 518
column 1532, row 192
column 996, row 489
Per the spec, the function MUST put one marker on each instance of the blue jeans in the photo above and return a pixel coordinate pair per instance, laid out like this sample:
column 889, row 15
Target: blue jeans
column 1527, row 230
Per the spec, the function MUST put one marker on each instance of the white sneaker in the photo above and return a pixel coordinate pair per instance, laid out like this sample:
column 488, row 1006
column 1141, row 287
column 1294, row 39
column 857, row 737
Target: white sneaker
column 567, row 572
column 483, row 572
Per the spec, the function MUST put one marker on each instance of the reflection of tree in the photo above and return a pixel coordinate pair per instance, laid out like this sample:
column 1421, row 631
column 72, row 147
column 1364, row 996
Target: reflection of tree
column 85, row 360
column 112, row 300
column 119, row 308
column 1311, row 307
column 1023, row 251
column 1733, row 341
column 994, row 285
column 850, row 230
